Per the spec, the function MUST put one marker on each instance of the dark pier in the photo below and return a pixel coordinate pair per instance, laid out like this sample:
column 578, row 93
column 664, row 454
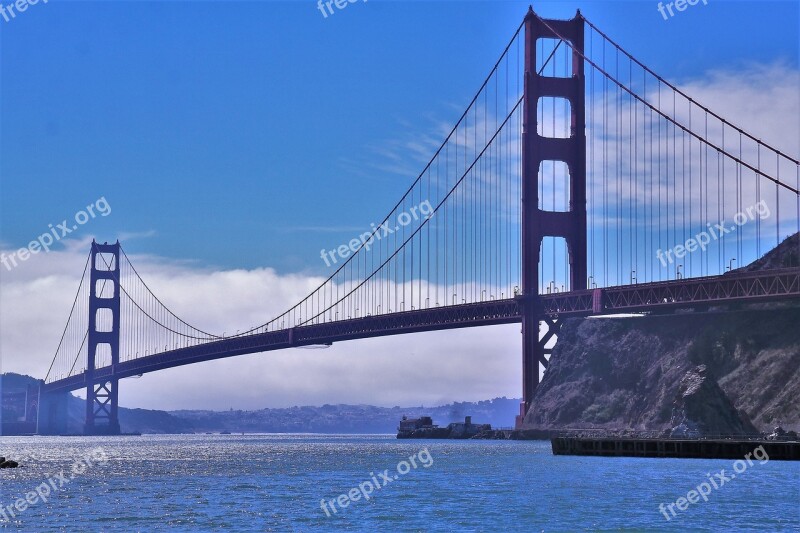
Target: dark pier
column 704, row 448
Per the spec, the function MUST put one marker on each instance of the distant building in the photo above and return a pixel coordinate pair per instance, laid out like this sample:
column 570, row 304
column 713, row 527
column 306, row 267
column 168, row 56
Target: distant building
column 423, row 428
column 409, row 425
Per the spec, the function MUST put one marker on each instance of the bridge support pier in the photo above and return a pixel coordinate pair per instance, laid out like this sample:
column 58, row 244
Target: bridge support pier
column 536, row 222
column 102, row 395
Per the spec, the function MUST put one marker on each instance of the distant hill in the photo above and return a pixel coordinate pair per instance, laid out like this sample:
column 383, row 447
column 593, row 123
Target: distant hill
column 498, row 412
column 306, row 419
column 141, row 420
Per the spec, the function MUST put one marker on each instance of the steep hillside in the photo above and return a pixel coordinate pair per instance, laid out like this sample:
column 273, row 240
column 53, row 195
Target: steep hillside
column 625, row 373
column 785, row 255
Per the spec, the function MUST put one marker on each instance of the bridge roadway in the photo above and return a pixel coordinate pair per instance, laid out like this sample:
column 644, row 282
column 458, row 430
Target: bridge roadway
column 761, row 286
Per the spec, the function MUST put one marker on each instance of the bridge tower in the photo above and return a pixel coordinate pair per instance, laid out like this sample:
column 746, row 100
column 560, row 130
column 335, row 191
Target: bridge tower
column 104, row 298
column 537, row 223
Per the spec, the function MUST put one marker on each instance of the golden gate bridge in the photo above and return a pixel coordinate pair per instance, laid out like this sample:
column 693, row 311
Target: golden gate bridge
column 558, row 193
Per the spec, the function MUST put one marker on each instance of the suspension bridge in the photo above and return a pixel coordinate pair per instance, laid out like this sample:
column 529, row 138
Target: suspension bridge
column 577, row 182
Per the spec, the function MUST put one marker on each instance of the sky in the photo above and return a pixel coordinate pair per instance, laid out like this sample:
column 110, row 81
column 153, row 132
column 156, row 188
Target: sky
column 232, row 141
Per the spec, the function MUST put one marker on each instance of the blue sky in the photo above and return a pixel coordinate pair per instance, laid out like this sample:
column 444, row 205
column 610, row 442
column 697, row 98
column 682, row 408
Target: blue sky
column 235, row 140
column 225, row 131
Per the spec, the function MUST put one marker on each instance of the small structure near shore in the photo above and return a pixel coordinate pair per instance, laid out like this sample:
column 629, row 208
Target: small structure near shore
column 424, row 428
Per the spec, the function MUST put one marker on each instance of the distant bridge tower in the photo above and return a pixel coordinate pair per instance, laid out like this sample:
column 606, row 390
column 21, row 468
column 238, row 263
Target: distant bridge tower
column 102, row 395
column 537, row 223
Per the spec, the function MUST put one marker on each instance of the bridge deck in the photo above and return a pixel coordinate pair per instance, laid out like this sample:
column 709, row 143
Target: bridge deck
column 648, row 297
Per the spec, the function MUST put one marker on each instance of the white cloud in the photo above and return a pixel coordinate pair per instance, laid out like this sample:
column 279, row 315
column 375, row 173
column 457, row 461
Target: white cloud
column 426, row 368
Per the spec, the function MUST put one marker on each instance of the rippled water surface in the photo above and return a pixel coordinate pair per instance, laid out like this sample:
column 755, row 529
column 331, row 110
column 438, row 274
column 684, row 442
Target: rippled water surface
column 276, row 482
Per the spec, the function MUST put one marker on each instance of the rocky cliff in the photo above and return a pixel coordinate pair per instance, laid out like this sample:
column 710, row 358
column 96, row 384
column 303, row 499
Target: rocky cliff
column 715, row 373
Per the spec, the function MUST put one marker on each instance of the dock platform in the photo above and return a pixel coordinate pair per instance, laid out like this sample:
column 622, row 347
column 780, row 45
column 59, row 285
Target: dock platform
column 703, row 448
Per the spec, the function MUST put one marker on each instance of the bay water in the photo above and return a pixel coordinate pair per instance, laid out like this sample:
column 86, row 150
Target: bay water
column 283, row 482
